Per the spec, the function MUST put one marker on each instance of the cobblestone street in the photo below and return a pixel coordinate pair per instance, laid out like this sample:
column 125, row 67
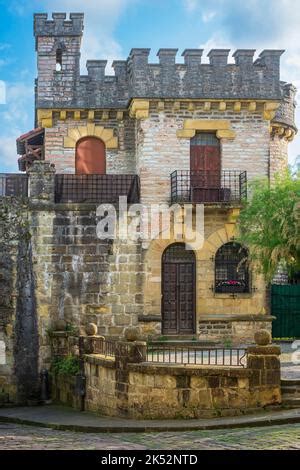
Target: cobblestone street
column 18, row 437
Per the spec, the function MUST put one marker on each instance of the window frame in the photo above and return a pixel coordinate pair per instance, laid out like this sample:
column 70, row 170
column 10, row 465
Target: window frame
column 232, row 281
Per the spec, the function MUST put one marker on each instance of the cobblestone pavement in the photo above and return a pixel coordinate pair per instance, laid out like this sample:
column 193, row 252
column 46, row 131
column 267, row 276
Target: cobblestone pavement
column 19, row 437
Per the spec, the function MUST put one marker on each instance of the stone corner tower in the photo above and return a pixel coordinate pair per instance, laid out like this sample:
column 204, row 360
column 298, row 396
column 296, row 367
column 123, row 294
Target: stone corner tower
column 58, row 43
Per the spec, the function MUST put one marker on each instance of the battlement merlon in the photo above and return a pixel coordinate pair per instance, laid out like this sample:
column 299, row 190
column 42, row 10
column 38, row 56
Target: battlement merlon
column 136, row 77
column 58, row 25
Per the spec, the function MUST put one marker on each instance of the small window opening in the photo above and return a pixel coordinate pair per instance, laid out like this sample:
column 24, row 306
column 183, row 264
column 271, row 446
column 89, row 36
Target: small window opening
column 58, row 60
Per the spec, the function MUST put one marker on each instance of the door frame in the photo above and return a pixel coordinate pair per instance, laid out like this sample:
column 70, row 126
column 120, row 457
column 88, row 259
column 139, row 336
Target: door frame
column 194, row 282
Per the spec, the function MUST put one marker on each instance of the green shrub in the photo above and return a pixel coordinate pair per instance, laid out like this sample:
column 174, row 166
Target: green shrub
column 68, row 365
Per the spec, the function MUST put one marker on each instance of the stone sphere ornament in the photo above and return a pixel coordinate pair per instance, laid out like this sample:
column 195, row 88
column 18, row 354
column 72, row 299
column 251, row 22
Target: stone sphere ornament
column 131, row 334
column 262, row 337
column 91, row 329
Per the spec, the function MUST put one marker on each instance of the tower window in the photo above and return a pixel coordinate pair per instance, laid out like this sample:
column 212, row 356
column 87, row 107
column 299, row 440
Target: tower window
column 59, row 60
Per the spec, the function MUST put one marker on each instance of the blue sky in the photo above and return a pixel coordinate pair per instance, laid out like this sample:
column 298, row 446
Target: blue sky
column 113, row 27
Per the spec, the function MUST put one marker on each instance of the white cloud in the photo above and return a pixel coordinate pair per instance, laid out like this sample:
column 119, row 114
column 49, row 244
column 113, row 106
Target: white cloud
column 16, row 117
column 208, row 16
column 8, row 154
column 190, row 5
column 18, row 108
column 2, row 92
column 217, row 41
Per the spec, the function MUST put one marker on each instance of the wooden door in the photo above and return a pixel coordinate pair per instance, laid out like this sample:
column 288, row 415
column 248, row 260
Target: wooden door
column 205, row 165
column 90, row 157
column 178, row 290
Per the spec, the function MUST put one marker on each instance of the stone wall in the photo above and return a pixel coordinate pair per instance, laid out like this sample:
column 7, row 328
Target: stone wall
column 160, row 151
column 279, row 154
column 19, row 378
column 232, row 329
column 63, row 391
column 135, row 77
column 235, row 312
column 118, row 161
column 81, row 278
column 156, row 391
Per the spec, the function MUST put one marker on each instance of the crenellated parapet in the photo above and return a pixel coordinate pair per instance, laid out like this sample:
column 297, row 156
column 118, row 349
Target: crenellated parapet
column 136, row 77
column 58, row 25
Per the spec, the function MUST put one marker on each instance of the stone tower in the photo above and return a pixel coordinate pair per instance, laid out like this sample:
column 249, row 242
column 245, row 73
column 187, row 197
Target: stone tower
column 58, row 44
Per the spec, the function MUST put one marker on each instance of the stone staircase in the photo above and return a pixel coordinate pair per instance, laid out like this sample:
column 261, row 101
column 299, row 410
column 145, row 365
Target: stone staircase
column 290, row 389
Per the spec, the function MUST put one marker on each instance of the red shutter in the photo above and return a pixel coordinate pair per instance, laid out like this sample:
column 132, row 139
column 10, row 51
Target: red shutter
column 205, row 165
column 90, row 157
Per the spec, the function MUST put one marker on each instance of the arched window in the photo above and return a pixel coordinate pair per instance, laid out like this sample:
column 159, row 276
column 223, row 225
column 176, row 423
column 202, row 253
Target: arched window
column 90, row 156
column 231, row 269
column 59, row 55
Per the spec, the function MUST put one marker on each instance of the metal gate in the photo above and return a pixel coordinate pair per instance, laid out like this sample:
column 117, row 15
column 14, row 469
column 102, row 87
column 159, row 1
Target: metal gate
column 285, row 306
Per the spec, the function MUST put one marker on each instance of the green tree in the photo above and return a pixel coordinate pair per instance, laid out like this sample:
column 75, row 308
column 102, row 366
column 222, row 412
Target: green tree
column 269, row 224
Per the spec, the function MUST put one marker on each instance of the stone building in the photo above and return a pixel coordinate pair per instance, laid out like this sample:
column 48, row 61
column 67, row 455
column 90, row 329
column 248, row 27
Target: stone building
column 158, row 133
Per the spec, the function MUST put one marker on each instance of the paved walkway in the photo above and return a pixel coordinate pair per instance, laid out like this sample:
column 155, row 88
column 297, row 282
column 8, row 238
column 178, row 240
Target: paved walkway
column 20, row 437
column 63, row 418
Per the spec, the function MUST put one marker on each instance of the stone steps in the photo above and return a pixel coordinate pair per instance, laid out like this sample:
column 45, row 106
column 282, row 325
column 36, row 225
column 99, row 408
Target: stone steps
column 290, row 389
column 291, row 402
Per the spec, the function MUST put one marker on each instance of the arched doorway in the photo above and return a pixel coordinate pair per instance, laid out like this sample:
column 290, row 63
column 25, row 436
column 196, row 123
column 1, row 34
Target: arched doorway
column 90, row 156
column 178, row 290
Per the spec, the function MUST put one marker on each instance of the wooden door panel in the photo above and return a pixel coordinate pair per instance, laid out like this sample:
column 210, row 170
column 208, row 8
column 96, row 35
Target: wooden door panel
column 178, row 291
column 169, row 299
column 205, row 165
column 186, row 297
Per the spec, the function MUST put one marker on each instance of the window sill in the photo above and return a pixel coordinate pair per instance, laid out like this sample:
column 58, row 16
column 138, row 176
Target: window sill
column 228, row 295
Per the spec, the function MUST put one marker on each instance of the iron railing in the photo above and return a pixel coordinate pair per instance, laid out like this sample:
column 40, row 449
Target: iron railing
column 230, row 357
column 103, row 346
column 227, row 186
column 231, row 269
column 96, row 188
column 13, row 184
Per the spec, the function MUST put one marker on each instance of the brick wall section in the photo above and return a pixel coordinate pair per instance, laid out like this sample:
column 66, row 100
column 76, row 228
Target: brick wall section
column 118, row 161
column 160, row 152
column 279, row 153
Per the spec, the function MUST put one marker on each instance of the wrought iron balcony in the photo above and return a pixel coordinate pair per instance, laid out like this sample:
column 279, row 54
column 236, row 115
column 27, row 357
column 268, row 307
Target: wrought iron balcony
column 13, row 184
column 96, row 188
column 225, row 187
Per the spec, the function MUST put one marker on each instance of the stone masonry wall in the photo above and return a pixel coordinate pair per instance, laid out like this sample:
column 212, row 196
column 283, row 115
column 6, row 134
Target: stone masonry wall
column 120, row 161
column 160, row 151
column 135, row 77
column 144, row 390
column 19, row 379
column 81, row 278
column 279, row 155
column 219, row 228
